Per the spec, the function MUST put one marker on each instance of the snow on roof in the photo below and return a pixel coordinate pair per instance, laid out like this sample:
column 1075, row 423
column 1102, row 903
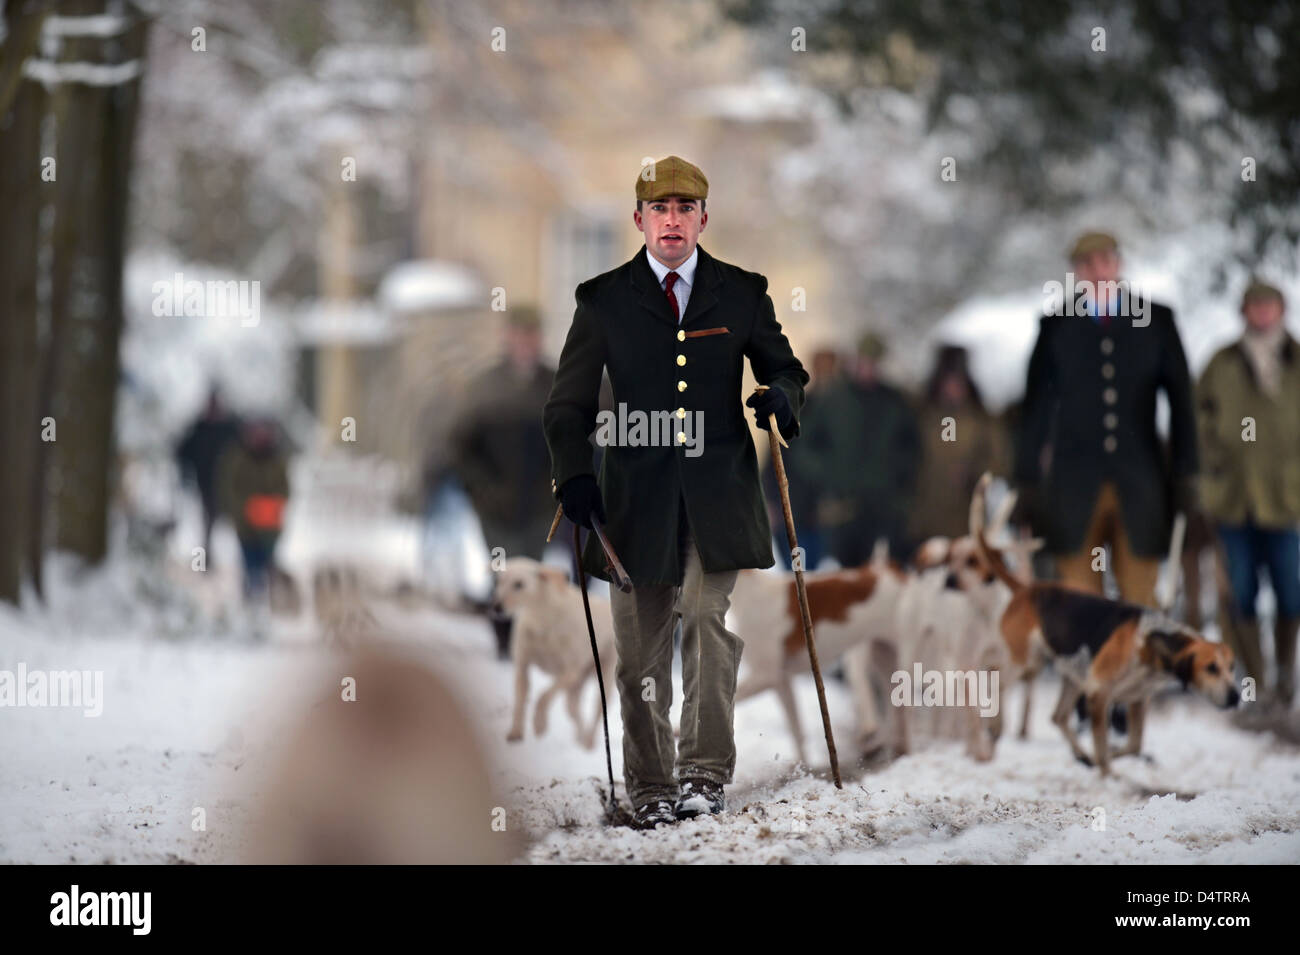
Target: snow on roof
column 429, row 285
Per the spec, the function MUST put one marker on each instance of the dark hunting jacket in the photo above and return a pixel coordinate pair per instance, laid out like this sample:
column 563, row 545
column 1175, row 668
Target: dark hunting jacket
column 625, row 324
column 1091, row 399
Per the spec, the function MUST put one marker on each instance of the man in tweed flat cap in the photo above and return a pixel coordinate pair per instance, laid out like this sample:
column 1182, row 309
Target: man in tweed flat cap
column 673, row 327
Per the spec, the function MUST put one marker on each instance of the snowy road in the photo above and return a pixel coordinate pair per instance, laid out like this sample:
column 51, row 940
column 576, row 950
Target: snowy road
column 185, row 722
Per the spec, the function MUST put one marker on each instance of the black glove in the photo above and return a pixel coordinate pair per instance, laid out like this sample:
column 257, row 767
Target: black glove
column 772, row 401
column 580, row 497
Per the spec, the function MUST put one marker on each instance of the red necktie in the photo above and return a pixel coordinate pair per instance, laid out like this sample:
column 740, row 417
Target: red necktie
column 671, row 278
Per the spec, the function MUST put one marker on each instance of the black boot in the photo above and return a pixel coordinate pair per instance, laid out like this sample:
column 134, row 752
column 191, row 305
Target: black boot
column 699, row 796
column 656, row 812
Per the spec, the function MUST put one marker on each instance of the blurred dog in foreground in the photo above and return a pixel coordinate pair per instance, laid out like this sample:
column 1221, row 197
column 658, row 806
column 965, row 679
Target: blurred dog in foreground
column 550, row 632
column 1106, row 651
column 391, row 776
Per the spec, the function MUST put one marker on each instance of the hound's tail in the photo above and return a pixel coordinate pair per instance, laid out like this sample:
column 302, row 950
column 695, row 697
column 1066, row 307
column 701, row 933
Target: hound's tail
column 991, row 554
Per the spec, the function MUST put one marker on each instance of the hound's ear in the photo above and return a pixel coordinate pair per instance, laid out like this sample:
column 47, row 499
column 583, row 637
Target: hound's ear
column 1002, row 516
column 1169, row 647
column 1167, row 643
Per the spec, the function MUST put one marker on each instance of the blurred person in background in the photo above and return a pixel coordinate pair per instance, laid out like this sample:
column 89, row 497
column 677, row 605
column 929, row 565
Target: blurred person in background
column 861, row 453
column 953, row 453
column 253, row 487
column 499, row 453
column 804, row 491
column 1090, row 468
column 1249, row 402
column 200, row 451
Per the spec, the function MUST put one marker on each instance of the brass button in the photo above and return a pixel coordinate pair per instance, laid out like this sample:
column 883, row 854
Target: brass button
column 1110, row 396
column 681, row 412
column 1107, row 346
column 1111, row 420
column 681, row 386
column 681, row 359
column 681, row 437
column 681, row 336
column 1110, row 444
column 1108, row 370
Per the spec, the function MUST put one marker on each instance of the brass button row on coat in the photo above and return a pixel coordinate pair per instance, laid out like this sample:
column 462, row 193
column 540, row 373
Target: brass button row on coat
column 681, row 386
column 1111, row 420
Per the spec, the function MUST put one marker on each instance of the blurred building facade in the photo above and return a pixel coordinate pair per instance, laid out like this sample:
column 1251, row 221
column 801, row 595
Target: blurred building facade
column 532, row 198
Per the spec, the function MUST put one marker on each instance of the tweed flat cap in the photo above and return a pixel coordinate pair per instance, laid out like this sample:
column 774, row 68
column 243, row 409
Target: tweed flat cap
column 871, row 345
column 672, row 176
column 1258, row 291
column 1091, row 242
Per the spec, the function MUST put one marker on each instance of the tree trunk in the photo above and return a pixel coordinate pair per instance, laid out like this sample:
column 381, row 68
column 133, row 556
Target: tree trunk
column 96, row 126
column 22, row 193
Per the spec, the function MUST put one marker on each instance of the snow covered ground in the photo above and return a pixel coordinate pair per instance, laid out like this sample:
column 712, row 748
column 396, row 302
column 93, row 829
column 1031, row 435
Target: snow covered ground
column 188, row 722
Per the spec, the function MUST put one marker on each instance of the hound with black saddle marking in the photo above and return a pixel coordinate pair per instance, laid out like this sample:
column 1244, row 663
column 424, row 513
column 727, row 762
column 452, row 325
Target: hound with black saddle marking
column 1107, row 651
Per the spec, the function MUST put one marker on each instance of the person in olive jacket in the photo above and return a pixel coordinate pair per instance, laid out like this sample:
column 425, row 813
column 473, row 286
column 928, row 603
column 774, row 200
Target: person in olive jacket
column 1249, row 401
column 680, row 501
column 1091, row 469
column 960, row 440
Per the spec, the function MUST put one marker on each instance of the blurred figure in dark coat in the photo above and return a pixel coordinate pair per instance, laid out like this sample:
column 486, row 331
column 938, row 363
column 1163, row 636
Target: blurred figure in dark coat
column 499, row 453
column 498, row 446
column 200, row 451
column 1091, row 470
column 862, row 454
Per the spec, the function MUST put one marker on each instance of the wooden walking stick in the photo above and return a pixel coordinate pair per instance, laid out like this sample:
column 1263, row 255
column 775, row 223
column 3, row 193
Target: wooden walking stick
column 775, row 441
column 614, row 814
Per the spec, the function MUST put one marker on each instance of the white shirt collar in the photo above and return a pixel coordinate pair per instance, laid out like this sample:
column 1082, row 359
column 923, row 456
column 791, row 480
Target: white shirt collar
column 685, row 271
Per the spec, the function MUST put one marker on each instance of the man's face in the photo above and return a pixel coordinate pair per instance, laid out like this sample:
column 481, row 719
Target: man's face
column 1262, row 313
column 1099, row 266
column 523, row 345
column 672, row 228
